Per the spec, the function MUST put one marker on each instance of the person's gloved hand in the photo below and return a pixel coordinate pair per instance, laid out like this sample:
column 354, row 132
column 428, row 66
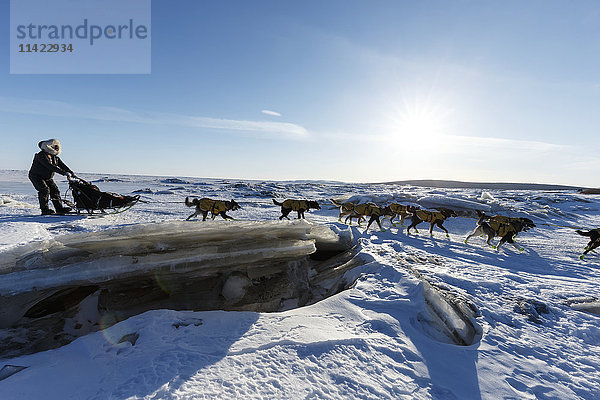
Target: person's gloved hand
column 70, row 175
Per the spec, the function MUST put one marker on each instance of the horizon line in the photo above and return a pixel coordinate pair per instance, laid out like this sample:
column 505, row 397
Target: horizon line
column 413, row 182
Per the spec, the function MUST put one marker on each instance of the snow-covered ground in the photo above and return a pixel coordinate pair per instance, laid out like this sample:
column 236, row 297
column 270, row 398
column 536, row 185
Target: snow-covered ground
column 375, row 340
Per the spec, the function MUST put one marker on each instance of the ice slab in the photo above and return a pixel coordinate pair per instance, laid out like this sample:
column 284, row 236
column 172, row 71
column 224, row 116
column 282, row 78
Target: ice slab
column 72, row 284
column 9, row 370
column 176, row 246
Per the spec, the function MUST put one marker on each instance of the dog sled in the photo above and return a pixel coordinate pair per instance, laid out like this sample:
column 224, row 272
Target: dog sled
column 88, row 197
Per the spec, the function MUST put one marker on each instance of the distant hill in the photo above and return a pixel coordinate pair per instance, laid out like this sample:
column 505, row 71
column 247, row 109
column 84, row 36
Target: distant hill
column 590, row 191
column 483, row 185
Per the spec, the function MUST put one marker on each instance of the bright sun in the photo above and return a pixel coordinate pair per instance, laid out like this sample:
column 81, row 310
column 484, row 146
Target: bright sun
column 418, row 123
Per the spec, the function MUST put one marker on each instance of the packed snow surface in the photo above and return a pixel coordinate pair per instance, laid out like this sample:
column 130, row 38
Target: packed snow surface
column 535, row 312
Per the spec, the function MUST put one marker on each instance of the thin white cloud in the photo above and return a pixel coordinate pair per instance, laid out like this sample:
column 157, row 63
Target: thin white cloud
column 457, row 143
column 273, row 113
column 290, row 130
column 267, row 129
column 508, row 144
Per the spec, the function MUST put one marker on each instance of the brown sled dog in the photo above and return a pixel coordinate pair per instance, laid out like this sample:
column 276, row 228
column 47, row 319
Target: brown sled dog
column 346, row 208
column 433, row 217
column 504, row 227
column 215, row 207
column 594, row 236
column 374, row 212
column 360, row 211
column 300, row 206
column 397, row 210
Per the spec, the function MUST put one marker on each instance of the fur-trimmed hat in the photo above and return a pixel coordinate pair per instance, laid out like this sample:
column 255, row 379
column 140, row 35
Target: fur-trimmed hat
column 50, row 146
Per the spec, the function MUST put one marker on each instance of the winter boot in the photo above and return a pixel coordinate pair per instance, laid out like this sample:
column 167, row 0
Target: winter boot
column 43, row 199
column 60, row 209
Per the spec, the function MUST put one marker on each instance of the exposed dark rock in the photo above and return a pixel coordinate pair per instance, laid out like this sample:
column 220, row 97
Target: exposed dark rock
column 60, row 301
column 131, row 338
column 533, row 309
column 589, row 191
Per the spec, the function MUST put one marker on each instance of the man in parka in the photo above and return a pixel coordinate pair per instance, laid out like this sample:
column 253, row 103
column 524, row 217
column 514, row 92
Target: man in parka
column 45, row 164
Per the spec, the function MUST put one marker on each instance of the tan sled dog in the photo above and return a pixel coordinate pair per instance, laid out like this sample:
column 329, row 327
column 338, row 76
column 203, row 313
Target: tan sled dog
column 215, row 207
column 397, row 210
column 300, row 206
column 374, row 212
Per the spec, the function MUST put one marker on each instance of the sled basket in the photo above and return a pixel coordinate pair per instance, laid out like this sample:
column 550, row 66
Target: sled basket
column 87, row 196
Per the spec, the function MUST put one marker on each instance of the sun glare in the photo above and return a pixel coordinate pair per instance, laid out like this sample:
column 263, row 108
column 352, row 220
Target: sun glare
column 419, row 122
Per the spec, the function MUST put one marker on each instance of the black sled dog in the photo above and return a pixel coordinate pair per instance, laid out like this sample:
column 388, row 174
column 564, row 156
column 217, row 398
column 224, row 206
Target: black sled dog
column 397, row 210
column 433, row 217
column 594, row 236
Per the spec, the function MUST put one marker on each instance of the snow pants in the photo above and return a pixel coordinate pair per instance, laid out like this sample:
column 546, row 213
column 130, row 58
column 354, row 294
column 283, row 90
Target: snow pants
column 46, row 188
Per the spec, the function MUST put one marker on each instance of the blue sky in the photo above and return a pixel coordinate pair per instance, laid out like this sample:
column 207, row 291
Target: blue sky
column 342, row 90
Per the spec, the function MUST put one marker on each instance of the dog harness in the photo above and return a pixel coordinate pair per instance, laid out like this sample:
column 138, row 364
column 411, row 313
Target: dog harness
column 430, row 216
column 397, row 208
column 295, row 205
column 368, row 209
column 214, row 206
column 503, row 219
column 348, row 206
column 502, row 228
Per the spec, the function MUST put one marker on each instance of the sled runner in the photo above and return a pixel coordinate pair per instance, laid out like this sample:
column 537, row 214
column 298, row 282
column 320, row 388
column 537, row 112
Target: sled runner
column 88, row 197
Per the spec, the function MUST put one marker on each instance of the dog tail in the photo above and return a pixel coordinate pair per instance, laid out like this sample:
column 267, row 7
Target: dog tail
column 277, row 203
column 190, row 203
column 582, row 233
column 335, row 203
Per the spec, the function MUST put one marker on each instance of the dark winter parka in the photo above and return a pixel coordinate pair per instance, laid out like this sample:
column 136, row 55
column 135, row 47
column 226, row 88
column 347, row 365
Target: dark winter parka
column 45, row 165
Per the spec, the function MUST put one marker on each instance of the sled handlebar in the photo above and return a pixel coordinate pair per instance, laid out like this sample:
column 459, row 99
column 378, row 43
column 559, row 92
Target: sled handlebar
column 74, row 177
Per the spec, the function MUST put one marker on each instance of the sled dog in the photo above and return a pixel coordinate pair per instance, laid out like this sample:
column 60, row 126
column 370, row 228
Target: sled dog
column 346, row 208
column 300, row 206
column 397, row 210
column 215, row 207
column 482, row 228
column 433, row 217
column 374, row 212
column 506, row 228
column 525, row 223
column 594, row 236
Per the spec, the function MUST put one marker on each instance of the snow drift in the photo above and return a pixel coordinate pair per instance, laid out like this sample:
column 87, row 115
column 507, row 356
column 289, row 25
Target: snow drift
column 394, row 334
